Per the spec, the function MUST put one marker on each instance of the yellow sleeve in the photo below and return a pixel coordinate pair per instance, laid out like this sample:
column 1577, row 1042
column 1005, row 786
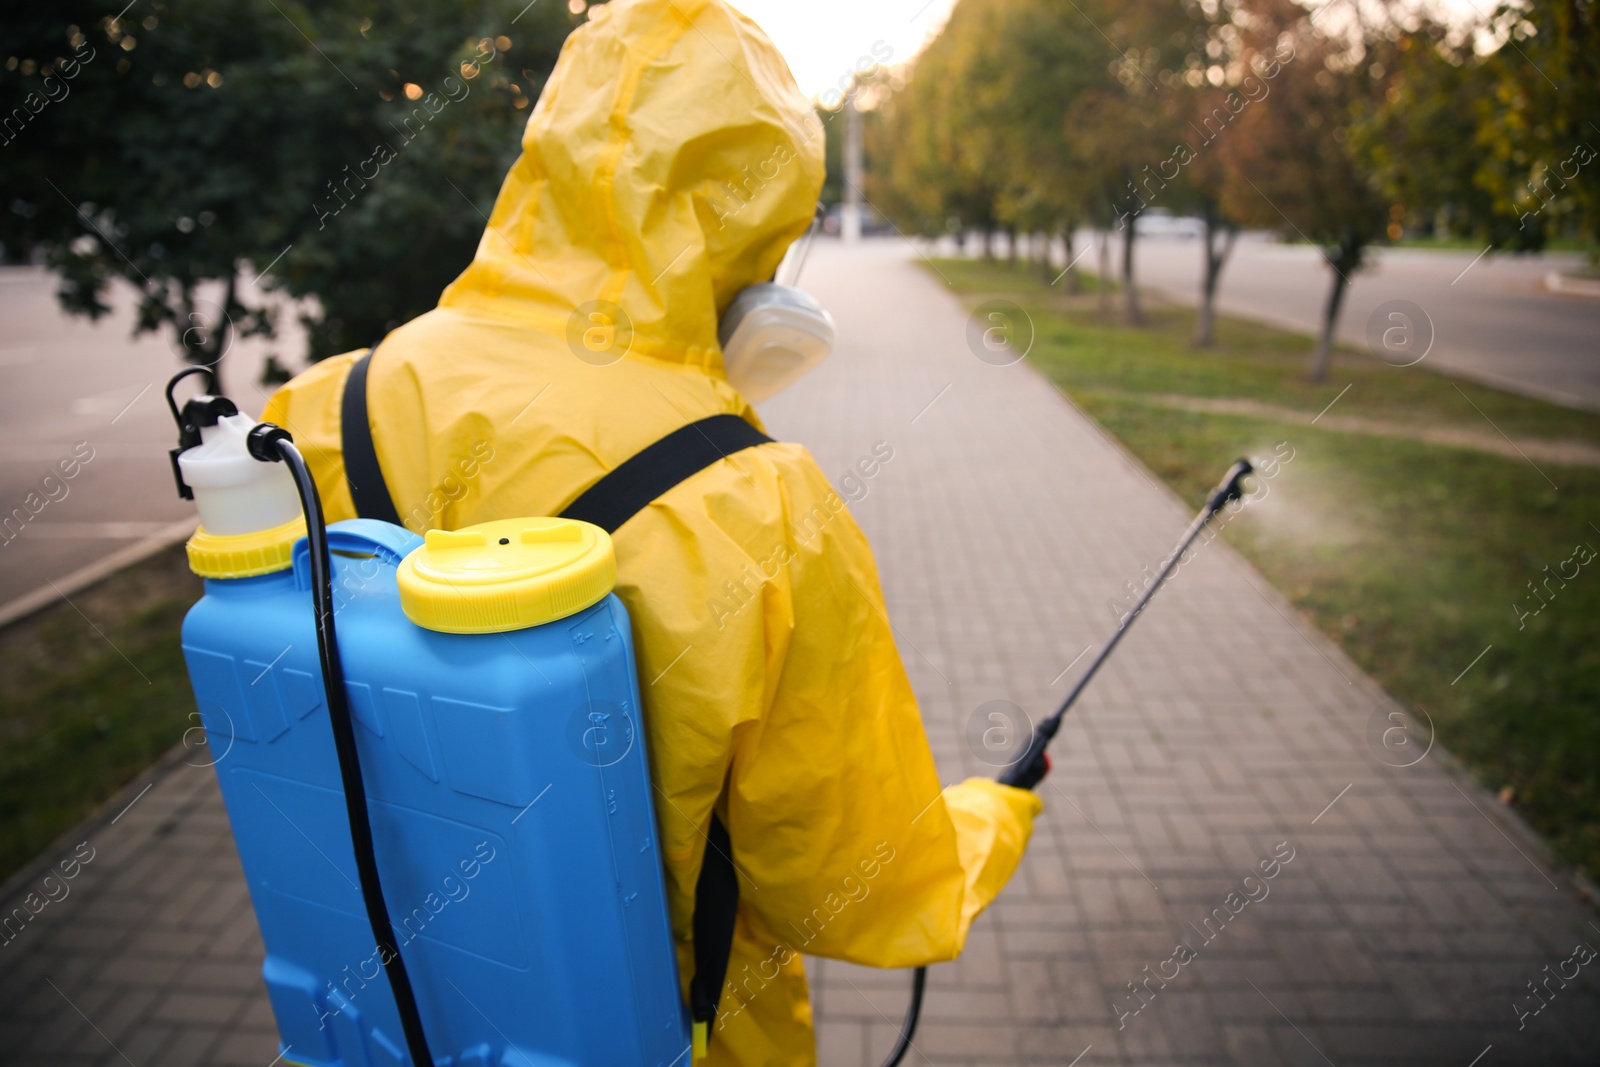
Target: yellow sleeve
column 993, row 823
column 846, row 845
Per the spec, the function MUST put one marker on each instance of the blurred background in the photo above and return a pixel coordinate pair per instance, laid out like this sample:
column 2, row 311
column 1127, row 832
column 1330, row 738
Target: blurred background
column 1355, row 238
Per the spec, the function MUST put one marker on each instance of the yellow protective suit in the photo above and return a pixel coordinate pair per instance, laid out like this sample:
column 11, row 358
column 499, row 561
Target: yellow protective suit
column 668, row 164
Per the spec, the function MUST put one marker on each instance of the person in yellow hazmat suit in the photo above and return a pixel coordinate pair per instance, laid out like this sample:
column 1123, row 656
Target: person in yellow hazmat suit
column 670, row 162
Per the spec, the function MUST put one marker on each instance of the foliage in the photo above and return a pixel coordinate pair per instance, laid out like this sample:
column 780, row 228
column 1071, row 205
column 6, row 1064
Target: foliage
column 1422, row 138
column 1543, row 132
column 940, row 178
column 1318, row 124
column 348, row 148
column 1477, row 141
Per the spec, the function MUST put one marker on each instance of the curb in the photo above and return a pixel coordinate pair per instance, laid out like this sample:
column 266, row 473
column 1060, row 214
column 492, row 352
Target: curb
column 83, row 577
column 1557, row 282
column 29, row 873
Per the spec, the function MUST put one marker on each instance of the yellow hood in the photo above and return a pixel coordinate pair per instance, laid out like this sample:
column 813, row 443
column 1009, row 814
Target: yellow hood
column 632, row 192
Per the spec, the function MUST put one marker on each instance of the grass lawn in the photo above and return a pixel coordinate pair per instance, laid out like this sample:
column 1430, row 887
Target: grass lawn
column 87, row 709
column 1410, row 554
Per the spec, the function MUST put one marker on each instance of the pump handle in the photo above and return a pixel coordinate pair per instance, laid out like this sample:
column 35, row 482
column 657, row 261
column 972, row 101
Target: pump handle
column 172, row 405
column 202, row 409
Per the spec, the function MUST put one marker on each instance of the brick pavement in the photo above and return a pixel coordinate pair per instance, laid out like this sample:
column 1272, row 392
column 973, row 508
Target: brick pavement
column 1404, row 929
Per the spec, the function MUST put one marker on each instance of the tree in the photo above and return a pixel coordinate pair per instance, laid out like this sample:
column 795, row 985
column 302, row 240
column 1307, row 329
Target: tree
column 1209, row 83
column 1547, row 129
column 1218, row 233
column 1042, row 56
column 1123, row 136
column 1200, row 177
column 1290, row 162
column 1126, row 124
column 1027, row 115
column 940, row 172
column 347, row 149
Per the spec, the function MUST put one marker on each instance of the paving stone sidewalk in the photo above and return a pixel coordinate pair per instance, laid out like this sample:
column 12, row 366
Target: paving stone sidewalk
column 1407, row 915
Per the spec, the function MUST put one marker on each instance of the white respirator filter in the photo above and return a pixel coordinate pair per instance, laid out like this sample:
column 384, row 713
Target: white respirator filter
column 771, row 336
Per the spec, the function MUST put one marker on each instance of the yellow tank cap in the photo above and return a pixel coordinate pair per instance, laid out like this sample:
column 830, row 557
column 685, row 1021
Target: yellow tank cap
column 245, row 555
column 506, row 575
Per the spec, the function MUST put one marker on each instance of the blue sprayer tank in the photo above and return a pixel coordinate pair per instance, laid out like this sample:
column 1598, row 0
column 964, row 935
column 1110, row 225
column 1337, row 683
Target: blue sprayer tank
column 506, row 776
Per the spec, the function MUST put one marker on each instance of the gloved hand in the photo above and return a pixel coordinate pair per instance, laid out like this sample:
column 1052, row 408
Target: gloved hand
column 1032, row 767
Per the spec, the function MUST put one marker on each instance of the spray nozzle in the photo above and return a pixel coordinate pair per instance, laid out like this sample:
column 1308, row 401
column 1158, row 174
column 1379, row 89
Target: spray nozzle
column 1231, row 487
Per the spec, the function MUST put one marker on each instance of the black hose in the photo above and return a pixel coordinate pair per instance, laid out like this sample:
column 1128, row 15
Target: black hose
column 344, row 742
column 919, row 982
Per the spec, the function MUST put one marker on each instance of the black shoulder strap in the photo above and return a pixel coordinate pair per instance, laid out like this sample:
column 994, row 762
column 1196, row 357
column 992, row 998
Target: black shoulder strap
column 716, row 905
column 362, row 474
column 617, row 497
column 644, row 477
column 608, row 503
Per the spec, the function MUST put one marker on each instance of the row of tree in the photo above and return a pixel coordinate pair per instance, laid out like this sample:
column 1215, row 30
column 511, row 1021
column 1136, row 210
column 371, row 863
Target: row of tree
column 347, row 151
column 1344, row 125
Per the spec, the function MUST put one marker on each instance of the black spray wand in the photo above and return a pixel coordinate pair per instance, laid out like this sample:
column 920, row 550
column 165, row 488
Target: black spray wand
column 1030, row 768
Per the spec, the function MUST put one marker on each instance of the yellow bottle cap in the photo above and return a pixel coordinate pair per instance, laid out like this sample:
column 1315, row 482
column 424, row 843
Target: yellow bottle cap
column 245, row 555
column 506, row 575
column 699, row 1041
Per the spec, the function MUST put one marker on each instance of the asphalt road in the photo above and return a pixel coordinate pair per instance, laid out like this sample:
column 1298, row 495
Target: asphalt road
column 88, row 394
column 1493, row 320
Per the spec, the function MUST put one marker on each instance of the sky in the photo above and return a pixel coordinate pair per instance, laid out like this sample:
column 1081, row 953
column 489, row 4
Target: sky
column 823, row 40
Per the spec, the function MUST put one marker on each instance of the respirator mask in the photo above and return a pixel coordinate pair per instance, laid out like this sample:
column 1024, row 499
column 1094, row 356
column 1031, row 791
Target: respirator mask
column 773, row 333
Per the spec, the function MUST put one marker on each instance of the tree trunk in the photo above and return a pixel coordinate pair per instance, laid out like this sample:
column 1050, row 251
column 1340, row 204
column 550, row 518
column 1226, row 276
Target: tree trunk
column 1011, row 247
column 222, row 332
column 1105, row 274
column 1074, row 283
column 1345, row 262
column 1330, row 321
column 988, row 244
column 1047, row 265
column 1130, row 294
column 1205, row 327
column 1205, row 323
